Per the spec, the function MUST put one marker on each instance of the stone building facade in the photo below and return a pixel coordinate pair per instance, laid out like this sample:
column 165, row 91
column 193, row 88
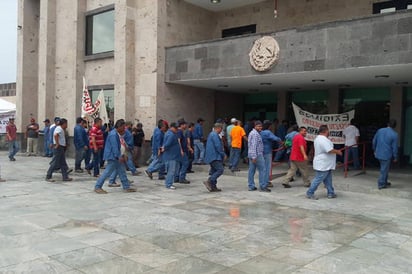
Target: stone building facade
column 168, row 59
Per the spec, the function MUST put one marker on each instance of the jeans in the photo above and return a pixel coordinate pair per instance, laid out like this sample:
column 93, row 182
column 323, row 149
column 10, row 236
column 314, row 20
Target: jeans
column 321, row 176
column 130, row 163
column 80, row 153
column 47, row 149
column 234, row 158
column 32, row 145
column 171, row 170
column 113, row 166
column 199, row 151
column 87, row 156
column 97, row 156
column 384, row 170
column 113, row 176
column 353, row 153
column 59, row 161
column 260, row 165
column 13, row 148
column 268, row 165
column 216, row 170
column 157, row 165
column 181, row 168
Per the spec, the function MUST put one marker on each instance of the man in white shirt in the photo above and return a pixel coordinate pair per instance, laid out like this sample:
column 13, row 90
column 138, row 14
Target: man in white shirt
column 351, row 134
column 323, row 163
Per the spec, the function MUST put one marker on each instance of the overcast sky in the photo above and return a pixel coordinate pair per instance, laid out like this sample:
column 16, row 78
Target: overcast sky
column 8, row 41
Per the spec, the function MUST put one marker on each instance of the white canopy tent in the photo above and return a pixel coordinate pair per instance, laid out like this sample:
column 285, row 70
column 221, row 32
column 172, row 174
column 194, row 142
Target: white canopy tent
column 7, row 110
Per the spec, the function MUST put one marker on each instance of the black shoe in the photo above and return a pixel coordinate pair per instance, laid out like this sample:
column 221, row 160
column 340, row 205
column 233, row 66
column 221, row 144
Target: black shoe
column 253, row 189
column 270, row 184
column 216, row 189
column 382, row 187
column 184, row 182
column 175, row 180
column 332, row 196
column 149, row 174
column 162, row 177
column 70, row 171
column 388, row 184
column 286, row 185
column 207, row 185
column 265, row 190
column 190, row 171
column 78, row 170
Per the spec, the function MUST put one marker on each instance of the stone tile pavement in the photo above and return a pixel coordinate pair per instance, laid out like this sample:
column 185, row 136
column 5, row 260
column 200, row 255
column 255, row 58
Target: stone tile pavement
column 64, row 227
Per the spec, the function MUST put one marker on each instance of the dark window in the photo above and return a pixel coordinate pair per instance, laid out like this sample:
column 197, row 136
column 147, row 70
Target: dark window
column 391, row 6
column 239, row 31
column 100, row 30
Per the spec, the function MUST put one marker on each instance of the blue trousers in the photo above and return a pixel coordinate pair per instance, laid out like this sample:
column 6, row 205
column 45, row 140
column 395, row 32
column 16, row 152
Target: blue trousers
column 216, row 170
column 171, row 170
column 13, row 148
column 384, row 171
column 321, row 176
column 181, row 168
column 199, row 151
column 260, row 166
column 353, row 154
column 113, row 166
column 234, row 158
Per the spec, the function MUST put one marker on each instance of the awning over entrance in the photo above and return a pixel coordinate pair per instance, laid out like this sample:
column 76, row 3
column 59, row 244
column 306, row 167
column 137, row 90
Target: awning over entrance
column 370, row 52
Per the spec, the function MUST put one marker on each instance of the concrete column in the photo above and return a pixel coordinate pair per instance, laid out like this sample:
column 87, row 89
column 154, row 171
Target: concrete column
column 27, row 55
column 334, row 100
column 125, row 60
column 46, row 68
column 283, row 105
column 396, row 110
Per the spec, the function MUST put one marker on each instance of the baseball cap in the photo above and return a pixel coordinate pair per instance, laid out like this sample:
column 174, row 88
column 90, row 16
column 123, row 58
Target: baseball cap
column 46, row 120
column 233, row 120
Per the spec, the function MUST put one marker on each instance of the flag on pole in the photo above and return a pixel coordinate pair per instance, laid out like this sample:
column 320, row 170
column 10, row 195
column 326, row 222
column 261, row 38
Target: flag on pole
column 102, row 107
column 87, row 106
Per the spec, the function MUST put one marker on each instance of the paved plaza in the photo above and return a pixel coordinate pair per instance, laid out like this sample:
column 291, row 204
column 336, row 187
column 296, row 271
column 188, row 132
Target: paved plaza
column 64, row 227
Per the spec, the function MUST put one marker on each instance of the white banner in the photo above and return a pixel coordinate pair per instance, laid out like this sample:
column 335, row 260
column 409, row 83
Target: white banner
column 335, row 122
column 102, row 108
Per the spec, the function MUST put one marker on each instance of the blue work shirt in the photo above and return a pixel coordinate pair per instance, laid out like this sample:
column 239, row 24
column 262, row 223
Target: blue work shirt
column 268, row 138
column 157, row 140
column 385, row 144
column 198, row 132
column 128, row 138
column 183, row 140
column 214, row 148
column 112, row 146
column 79, row 137
column 171, row 147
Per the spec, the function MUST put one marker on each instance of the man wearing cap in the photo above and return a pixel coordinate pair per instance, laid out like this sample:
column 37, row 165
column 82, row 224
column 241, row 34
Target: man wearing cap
column 171, row 154
column 51, row 132
column 46, row 141
column 157, row 164
column 256, row 160
column 32, row 135
column 11, row 137
column 238, row 135
column 214, row 156
column 198, row 142
column 228, row 131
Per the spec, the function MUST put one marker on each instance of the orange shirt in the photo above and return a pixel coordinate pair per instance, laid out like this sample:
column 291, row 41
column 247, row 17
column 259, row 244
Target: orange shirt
column 237, row 134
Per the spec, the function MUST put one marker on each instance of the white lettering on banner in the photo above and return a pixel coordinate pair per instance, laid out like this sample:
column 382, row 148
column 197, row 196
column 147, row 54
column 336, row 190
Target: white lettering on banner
column 335, row 122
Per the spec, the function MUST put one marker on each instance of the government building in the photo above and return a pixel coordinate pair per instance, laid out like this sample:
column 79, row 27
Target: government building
column 218, row 58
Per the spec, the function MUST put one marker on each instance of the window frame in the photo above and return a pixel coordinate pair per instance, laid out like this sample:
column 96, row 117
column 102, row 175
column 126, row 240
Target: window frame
column 88, row 50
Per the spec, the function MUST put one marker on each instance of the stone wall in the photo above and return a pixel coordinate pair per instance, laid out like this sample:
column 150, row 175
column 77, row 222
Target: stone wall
column 376, row 40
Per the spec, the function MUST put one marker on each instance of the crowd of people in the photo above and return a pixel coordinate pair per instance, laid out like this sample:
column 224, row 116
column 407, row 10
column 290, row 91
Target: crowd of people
column 179, row 145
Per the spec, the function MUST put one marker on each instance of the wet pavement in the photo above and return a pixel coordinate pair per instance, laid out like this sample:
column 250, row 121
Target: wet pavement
column 64, row 227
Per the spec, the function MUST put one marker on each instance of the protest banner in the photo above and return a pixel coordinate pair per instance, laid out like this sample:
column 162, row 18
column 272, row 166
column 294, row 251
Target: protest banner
column 335, row 122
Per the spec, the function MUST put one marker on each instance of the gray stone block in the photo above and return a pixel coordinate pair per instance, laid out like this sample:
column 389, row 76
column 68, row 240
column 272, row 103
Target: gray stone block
column 396, row 43
column 314, row 65
column 382, row 29
column 371, row 46
column 201, row 53
column 211, row 63
column 404, row 25
column 337, row 34
column 181, row 66
column 360, row 31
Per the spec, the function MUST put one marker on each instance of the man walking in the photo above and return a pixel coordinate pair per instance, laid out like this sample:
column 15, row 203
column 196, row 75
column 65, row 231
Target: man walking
column 214, row 156
column 46, row 141
column 59, row 150
column 298, row 159
column 115, row 153
column 323, row 163
column 198, row 143
column 157, row 164
column 268, row 139
column 256, row 160
column 80, row 144
column 351, row 134
column 385, row 146
column 96, row 145
column 171, row 154
column 183, row 162
column 237, row 135
column 11, row 137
